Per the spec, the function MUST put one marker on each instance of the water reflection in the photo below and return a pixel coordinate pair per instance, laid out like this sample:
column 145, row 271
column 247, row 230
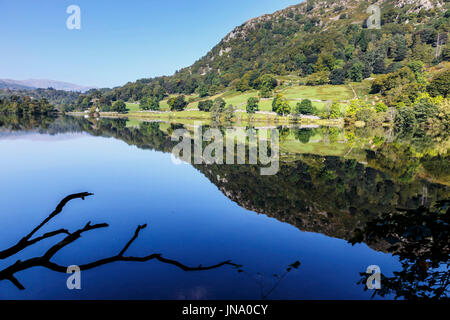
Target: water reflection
column 10, row 272
column 331, row 181
column 421, row 239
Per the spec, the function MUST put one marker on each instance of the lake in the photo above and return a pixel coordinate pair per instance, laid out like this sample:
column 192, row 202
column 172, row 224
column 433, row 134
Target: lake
column 217, row 231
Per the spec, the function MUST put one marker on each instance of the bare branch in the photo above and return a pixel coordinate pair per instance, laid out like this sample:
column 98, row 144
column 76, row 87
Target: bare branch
column 26, row 242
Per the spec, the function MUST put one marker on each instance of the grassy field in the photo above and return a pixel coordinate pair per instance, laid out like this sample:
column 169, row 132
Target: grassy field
column 133, row 107
column 239, row 99
column 325, row 92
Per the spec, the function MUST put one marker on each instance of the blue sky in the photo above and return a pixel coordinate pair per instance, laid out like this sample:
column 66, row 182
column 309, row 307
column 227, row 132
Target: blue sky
column 119, row 41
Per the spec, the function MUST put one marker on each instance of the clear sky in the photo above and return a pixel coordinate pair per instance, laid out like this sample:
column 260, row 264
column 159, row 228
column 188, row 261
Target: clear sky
column 119, row 41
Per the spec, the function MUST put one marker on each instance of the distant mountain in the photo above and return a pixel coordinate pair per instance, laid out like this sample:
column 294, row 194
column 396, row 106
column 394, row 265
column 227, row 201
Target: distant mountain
column 6, row 84
column 31, row 84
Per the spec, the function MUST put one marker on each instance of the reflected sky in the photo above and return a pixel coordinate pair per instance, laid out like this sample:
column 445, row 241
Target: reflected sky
column 188, row 219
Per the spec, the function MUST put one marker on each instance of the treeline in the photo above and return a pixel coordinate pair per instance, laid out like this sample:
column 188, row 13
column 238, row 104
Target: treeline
column 26, row 106
column 61, row 99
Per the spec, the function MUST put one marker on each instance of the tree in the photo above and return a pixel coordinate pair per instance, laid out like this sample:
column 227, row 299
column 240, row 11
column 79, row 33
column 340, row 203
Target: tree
column 401, row 48
column 318, row 78
column 283, row 108
column 424, row 110
column 265, row 92
column 276, row 101
column 417, row 67
column 150, row 103
column 252, row 105
column 120, row 107
column 405, row 118
column 440, row 85
column 379, row 65
column 203, row 91
column 356, row 71
column 219, row 104
column 205, row 105
column 266, row 81
column 446, row 51
column 305, row 107
column 177, row 103
column 337, row 76
column 229, row 113
column 335, row 111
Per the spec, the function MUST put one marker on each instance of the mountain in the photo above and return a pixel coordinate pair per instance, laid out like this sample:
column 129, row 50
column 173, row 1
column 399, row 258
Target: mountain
column 7, row 84
column 31, row 84
column 320, row 41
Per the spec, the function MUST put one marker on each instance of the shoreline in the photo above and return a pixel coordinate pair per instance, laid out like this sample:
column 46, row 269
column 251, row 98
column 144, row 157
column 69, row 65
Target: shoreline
column 260, row 117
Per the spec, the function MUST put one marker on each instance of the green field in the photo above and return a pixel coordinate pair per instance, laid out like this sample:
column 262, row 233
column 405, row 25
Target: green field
column 325, row 92
column 293, row 94
column 133, row 107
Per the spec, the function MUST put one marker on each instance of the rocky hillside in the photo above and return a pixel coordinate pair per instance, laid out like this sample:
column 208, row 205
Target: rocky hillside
column 323, row 41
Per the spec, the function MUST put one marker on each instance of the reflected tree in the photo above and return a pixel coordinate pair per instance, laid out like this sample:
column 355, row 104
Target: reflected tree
column 420, row 238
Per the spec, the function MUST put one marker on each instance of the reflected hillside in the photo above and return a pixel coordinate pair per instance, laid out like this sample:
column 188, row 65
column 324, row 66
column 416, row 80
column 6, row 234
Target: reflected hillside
column 330, row 180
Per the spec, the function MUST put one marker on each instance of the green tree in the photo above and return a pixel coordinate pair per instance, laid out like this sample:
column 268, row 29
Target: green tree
column 229, row 113
column 283, row 108
column 219, row 104
column 405, row 118
column 335, row 111
column 337, row 76
column 150, row 103
column 205, row 105
column 379, row 65
column 177, row 103
column 203, row 91
column 120, row 107
column 356, row 71
column 440, row 85
column 252, row 105
column 305, row 107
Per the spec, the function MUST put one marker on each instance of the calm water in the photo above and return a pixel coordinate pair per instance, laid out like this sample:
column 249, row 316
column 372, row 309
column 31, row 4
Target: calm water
column 330, row 183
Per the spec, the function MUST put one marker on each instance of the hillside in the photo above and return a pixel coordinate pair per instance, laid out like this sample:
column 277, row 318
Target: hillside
column 320, row 41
